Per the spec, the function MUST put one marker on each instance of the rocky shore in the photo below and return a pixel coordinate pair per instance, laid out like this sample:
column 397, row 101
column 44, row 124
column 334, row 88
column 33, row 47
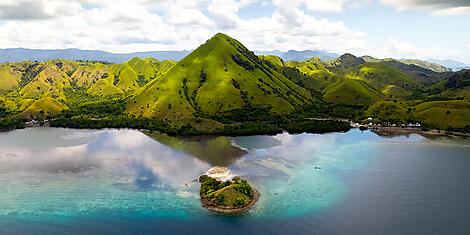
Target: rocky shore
column 230, row 210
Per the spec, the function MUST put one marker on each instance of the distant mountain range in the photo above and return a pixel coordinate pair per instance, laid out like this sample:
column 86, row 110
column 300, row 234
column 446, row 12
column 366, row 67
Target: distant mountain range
column 451, row 64
column 21, row 54
column 301, row 55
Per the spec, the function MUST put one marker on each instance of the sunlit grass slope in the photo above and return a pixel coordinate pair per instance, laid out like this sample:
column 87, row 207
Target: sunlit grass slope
column 43, row 108
column 393, row 91
column 219, row 76
column 111, row 79
column 50, row 82
column 352, row 92
column 380, row 76
column 388, row 111
column 87, row 74
column 443, row 114
column 318, row 78
column 104, row 88
column 9, row 77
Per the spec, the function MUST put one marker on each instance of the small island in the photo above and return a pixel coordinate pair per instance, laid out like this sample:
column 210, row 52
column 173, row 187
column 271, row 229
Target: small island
column 230, row 197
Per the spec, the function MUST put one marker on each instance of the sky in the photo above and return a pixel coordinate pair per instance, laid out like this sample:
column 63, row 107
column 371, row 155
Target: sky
column 418, row 29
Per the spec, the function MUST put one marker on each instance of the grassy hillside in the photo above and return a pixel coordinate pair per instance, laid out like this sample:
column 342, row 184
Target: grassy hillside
column 111, row 79
column 352, row 92
column 459, row 79
column 454, row 104
column 419, row 72
column 50, row 82
column 344, row 62
column 318, row 77
column 427, row 65
column 103, row 88
column 380, row 76
column 9, row 77
column 72, row 82
column 7, row 107
column 444, row 114
column 388, row 111
column 219, row 76
column 393, row 91
column 87, row 74
column 44, row 108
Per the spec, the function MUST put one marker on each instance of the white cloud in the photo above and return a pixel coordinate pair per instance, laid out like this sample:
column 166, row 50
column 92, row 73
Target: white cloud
column 437, row 7
column 393, row 48
column 452, row 11
column 225, row 12
column 143, row 25
column 35, row 9
column 325, row 5
column 148, row 25
column 317, row 5
column 290, row 27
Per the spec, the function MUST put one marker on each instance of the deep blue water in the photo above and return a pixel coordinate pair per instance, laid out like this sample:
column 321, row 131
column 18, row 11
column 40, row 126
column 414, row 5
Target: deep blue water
column 64, row 181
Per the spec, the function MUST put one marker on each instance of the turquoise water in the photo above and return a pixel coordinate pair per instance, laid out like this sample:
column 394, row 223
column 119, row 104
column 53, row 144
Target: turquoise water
column 114, row 181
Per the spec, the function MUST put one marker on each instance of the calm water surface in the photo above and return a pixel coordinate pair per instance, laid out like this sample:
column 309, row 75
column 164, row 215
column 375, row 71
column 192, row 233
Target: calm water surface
column 66, row 181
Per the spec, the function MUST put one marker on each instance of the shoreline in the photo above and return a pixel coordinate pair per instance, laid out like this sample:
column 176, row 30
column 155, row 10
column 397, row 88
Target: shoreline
column 226, row 210
column 410, row 130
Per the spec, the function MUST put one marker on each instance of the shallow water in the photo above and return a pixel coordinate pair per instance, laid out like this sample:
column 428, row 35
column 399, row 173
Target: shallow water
column 124, row 181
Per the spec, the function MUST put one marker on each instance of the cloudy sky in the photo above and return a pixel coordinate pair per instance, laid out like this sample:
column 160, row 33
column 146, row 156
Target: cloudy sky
column 382, row 28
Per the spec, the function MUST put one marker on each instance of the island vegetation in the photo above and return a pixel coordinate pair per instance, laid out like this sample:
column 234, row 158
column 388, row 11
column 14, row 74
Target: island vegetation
column 230, row 197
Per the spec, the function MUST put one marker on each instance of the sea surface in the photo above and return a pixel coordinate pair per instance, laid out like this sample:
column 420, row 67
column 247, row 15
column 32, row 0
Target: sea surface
column 67, row 181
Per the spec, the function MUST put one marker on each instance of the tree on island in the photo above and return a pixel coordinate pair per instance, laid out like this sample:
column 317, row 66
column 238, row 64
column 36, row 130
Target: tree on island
column 235, row 193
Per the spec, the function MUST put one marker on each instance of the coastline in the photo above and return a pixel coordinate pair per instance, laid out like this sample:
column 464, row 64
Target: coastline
column 226, row 210
column 410, row 130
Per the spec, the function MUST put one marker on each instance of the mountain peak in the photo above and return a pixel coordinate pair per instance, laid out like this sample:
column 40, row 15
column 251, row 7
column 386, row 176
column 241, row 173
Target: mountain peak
column 218, row 77
column 220, row 35
column 347, row 60
column 347, row 56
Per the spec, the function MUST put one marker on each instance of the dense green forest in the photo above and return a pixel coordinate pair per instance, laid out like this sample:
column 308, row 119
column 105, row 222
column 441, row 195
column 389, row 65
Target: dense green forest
column 224, row 88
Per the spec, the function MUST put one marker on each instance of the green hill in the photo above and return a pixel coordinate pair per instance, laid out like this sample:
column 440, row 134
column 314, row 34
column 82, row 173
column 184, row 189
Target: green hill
column 9, row 77
column 454, row 104
column 427, row 65
column 104, row 88
column 444, row 114
column 318, row 77
column 87, row 74
column 388, row 111
column 380, row 76
column 456, row 86
column 275, row 62
column 219, row 76
column 393, row 91
column 352, row 92
column 344, row 62
column 44, row 108
column 7, row 107
column 459, row 79
column 50, row 82
column 419, row 72
column 414, row 63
